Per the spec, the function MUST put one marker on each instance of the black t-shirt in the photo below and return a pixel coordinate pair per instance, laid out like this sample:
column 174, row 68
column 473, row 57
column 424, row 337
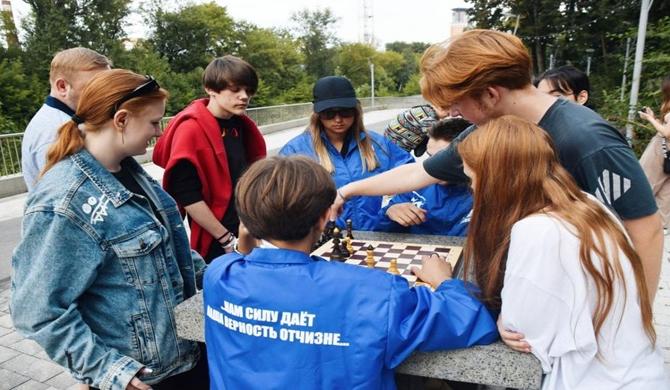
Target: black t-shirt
column 126, row 178
column 185, row 185
column 593, row 151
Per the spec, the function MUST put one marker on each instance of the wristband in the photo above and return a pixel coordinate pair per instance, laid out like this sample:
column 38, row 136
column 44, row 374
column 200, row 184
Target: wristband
column 339, row 193
column 221, row 236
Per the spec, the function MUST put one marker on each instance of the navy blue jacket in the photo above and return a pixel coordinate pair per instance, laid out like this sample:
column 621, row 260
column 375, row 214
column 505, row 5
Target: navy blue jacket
column 280, row 319
column 448, row 210
column 362, row 210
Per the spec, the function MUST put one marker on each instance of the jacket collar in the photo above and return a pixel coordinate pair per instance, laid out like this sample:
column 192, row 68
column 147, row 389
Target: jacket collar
column 279, row 256
column 350, row 140
column 59, row 105
column 102, row 178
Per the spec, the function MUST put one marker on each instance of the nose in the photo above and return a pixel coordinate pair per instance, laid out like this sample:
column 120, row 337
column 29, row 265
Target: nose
column 243, row 94
column 453, row 112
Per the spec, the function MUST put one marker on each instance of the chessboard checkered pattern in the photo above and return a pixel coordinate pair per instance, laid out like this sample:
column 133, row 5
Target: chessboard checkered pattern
column 406, row 254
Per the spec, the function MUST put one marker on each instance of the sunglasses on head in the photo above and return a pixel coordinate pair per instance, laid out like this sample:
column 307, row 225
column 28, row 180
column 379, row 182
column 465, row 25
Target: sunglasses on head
column 342, row 112
column 145, row 88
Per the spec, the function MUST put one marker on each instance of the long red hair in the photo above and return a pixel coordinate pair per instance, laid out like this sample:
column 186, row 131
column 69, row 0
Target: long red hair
column 518, row 174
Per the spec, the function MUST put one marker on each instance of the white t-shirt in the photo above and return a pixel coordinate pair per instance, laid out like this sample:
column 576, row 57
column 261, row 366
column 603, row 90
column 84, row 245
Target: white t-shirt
column 548, row 297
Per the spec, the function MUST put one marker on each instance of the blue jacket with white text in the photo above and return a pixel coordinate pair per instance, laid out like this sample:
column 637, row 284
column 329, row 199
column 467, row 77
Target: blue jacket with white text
column 280, row 319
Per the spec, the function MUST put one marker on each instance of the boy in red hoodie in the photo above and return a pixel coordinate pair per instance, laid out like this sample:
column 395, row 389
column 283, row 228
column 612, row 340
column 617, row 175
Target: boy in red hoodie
column 204, row 151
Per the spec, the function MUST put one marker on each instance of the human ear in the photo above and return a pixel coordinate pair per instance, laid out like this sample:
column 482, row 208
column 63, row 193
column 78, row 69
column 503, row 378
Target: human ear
column 62, row 87
column 583, row 97
column 121, row 119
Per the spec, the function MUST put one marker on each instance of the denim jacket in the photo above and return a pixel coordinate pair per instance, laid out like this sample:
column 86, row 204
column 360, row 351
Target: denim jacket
column 97, row 275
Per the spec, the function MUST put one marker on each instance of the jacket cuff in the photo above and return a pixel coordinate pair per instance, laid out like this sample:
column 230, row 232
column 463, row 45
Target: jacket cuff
column 120, row 373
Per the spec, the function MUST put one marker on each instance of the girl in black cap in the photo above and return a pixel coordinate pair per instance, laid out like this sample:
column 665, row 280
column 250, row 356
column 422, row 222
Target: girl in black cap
column 337, row 139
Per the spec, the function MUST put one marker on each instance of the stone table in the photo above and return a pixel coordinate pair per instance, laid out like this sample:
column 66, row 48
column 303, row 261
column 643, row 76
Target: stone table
column 493, row 364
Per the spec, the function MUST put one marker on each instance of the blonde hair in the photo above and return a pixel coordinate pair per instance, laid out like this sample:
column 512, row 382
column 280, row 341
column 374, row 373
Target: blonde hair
column 97, row 106
column 469, row 63
column 368, row 157
column 66, row 62
column 539, row 183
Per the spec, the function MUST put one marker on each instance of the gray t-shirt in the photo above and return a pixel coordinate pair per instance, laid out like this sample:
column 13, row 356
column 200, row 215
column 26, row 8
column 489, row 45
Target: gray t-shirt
column 593, row 151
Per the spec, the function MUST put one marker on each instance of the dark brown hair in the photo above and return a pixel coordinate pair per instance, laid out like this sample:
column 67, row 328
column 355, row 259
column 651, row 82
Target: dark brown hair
column 282, row 198
column 448, row 129
column 227, row 71
column 471, row 62
column 97, row 106
column 539, row 184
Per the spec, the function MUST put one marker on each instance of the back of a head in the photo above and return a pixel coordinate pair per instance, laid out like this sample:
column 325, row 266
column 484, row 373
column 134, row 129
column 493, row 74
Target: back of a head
column 566, row 79
column 102, row 97
column 227, row 71
column 66, row 62
column 282, row 198
column 469, row 63
column 448, row 129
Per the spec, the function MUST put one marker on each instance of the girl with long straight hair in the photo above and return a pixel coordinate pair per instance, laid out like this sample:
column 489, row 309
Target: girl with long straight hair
column 652, row 159
column 107, row 248
column 337, row 139
column 557, row 264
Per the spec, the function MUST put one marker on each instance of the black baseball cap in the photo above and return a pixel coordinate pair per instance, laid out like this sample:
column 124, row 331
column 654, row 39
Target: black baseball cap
column 333, row 92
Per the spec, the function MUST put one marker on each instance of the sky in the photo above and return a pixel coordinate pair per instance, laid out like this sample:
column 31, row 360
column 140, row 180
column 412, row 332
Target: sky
column 393, row 20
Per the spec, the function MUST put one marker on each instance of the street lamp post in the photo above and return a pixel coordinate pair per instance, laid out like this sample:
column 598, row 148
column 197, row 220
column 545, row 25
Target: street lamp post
column 589, row 55
column 637, row 67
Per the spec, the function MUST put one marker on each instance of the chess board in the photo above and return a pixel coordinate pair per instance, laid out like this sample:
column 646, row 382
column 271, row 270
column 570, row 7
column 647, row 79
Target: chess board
column 407, row 254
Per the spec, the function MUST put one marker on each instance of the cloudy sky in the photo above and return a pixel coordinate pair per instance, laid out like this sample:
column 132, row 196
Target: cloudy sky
column 394, row 20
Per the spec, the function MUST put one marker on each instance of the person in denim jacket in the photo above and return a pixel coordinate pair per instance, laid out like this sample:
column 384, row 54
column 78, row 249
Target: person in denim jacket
column 104, row 257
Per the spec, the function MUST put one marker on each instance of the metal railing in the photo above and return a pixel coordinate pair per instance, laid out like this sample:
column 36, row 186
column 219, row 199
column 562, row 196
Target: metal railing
column 10, row 144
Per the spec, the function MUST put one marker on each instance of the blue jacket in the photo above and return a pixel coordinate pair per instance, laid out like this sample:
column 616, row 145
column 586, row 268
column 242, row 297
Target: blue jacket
column 97, row 275
column 280, row 319
column 362, row 210
column 448, row 210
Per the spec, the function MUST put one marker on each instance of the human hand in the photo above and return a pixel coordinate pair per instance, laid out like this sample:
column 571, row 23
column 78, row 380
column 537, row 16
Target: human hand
column 647, row 114
column 136, row 383
column 406, row 214
column 245, row 242
column 338, row 204
column 512, row 339
column 434, row 270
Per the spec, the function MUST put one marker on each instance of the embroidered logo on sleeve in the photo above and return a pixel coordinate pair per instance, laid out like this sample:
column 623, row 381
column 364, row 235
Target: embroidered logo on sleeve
column 418, row 200
column 96, row 208
column 611, row 186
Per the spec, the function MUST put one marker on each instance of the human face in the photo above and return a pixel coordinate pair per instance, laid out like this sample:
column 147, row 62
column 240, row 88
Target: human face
column 338, row 126
column 470, row 109
column 469, row 173
column 141, row 128
column 228, row 102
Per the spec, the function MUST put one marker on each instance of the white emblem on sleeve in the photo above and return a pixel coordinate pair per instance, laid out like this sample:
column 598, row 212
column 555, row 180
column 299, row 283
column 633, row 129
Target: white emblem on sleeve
column 611, row 186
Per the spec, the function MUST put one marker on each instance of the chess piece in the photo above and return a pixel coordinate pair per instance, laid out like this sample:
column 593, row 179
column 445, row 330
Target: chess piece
column 393, row 267
column 369, row 258
column 350, row 247
column 336, row 252
column 349, row 229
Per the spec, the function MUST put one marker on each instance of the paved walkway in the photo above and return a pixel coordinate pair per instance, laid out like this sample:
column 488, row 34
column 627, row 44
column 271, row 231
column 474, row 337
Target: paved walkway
column 24, row 365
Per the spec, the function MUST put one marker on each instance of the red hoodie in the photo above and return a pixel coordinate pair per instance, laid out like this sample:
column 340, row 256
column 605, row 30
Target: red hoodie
column 195, row 135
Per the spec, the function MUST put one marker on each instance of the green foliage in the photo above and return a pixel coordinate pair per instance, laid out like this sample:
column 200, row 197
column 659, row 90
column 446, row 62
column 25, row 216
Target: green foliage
column 401, row 47
column 315, row 33
column 192, row 36
column 21, row 94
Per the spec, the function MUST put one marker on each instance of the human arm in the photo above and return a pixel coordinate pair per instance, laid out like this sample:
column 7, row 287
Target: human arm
column 448, row 318
column 52, row 247
column 661, row 127
column 406, row 214
column 646, row 233
column 404, row 178
column 203, row 216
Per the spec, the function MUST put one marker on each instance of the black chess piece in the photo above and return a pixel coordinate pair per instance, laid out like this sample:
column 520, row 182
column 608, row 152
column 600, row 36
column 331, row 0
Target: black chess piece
column 350, row 233
column 336, row 253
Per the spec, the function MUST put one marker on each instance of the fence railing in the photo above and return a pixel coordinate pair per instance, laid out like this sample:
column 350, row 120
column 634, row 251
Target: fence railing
column 10, row 144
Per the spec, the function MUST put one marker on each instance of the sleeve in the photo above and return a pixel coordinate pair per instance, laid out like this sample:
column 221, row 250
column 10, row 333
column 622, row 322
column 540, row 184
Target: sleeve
column 49, row 315
column 287, row 150
column 399, row 155
column 184, row 183
column 449, row 318
column 447, row 165
column 616, row 178
column 531, row 297
column 200, row 268
column 385, row 224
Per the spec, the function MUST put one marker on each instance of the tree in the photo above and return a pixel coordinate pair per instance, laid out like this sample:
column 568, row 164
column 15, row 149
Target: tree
column 315, row 33
column 192, row 36
column 401, row 47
